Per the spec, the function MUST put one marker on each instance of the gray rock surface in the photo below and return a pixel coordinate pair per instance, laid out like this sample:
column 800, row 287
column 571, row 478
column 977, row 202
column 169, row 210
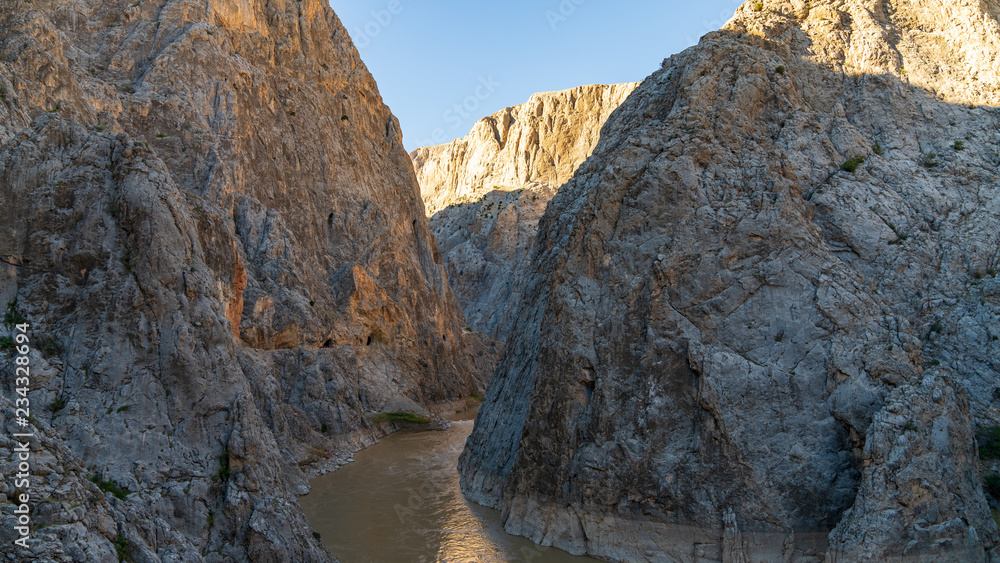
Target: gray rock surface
column 208, row 219
column 486, row 192
column 725, row 333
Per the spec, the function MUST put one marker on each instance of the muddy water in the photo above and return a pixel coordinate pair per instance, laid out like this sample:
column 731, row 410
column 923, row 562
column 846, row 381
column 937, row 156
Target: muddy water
column 399, row 502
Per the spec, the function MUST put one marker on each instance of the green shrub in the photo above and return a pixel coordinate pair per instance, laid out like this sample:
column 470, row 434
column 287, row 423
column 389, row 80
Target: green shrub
column 477, row 397
column 852, row 164
column 992, row 483
column 758, row 6
column 211, row 518
column 323, row 428
column 988, row 439
column 959, row 146
column 121, row 546
column 402, row 417
column 225, row 471
column 780, row 69
column 7, row 345
column 877, row 149
column 929, row 160
column 912, row 427
column 110, row 486
column 13, row 317
column 936, row 327
column 57, row 405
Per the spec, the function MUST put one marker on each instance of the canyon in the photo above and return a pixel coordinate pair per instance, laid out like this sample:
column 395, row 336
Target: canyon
column 744, row 310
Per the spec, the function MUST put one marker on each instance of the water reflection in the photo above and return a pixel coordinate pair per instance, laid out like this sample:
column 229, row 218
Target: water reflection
column 400, row 502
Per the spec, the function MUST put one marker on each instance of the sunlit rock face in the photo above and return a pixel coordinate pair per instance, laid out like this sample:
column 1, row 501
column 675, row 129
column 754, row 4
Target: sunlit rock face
column 211, row 224
column 761, row 321
column 486, row 192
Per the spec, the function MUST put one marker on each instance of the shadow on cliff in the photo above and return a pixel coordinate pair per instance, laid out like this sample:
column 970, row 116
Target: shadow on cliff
column 485, row 245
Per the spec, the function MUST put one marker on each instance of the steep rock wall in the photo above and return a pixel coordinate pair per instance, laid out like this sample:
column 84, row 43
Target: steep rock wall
column 735, row 344
column 210, row 222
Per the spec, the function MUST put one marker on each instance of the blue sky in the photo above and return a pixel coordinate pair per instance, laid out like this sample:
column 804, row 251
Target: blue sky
column 443, row 65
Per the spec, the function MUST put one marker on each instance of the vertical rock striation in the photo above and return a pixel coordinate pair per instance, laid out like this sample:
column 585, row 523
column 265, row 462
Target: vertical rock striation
column 486, row 192
column 210, row 222
column 760, row 322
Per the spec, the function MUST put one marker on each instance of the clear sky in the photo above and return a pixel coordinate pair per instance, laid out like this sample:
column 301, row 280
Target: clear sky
column 442, row 65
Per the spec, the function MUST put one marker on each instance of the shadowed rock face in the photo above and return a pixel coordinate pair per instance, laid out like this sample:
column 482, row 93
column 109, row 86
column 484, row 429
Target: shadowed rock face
column 486, row 192
column 732, row 348
column 210, row 222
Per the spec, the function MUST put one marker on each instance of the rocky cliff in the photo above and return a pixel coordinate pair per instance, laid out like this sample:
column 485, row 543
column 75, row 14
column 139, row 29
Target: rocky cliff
column 210, row 223
column 761, row 321
column 487, row 191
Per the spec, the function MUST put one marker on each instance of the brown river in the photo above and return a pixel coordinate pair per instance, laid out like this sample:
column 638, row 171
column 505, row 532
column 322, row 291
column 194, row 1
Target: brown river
column 399, row 502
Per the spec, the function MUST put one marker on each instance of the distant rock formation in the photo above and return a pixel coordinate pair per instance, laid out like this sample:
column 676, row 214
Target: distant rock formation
column 761, row 321
column 486, row 192
column 209, row 220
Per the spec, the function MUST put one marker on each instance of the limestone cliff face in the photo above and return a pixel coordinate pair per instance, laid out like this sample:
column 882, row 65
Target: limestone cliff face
column 486, row 192
column 210, row 222
column 739, row 341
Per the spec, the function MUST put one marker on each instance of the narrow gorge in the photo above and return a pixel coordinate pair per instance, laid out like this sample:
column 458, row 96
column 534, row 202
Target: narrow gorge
column 744, row 310
column 486, row 192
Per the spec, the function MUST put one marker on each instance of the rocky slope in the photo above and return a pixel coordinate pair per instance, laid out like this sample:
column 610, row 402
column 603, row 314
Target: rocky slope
column 486, row 192
column 211, row 225
column 738, row 340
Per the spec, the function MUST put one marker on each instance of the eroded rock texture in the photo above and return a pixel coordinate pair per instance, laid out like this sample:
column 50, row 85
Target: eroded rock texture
column 735, row 344
column 486, row 192
column 210, row 222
